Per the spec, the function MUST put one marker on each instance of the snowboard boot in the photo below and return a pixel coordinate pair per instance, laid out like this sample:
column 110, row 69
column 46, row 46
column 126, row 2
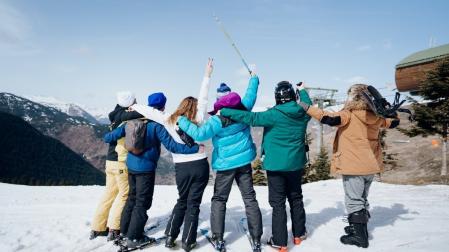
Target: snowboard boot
column 136, row 243
column 94, row 234
column 279, row 248
column 188, row 247
column 170, row 242
column 350, row 229
column 297, row 240
column 358, row 235
column 113, row 234
column 257, row 246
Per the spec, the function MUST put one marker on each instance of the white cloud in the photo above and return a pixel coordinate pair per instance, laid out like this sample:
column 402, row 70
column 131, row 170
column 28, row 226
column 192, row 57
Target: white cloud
column 363, row 48
column 14, row 29
column 82, row 50
column 243, row 75
column 242, row 71
column 356, row 80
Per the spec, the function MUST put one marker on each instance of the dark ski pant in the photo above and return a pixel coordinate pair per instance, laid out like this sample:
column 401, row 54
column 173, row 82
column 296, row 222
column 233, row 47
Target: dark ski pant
column 191, row 180
column 282, row 186
column 223, row 184
column 134, row 216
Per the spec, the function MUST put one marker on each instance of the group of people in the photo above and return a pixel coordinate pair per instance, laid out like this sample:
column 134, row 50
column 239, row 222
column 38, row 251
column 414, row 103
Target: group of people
column 130, row 177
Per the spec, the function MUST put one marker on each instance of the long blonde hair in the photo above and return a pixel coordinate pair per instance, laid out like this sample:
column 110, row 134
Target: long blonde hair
column 187, row 108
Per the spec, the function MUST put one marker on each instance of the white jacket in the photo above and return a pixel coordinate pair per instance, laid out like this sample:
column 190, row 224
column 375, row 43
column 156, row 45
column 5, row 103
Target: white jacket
column 162, row 118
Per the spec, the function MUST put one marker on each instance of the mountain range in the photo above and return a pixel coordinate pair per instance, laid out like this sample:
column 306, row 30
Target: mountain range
column 32, row 158
column 82, row 132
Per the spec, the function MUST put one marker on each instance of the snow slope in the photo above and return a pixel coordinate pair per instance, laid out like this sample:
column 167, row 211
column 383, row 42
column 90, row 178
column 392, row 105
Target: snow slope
column 404, row 218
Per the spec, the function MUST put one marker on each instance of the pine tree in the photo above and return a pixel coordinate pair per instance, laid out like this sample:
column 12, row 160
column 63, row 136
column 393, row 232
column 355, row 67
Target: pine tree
column 259, row 177
column 320, row 169
column 389, row 159
column 432, row 117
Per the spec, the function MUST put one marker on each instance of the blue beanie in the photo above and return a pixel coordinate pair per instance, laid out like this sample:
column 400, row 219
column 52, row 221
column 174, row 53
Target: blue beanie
column 223, row 88
column 157, row 100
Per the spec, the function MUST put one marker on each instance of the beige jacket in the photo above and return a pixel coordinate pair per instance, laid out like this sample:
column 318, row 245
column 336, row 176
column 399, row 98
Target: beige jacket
column 356, row 149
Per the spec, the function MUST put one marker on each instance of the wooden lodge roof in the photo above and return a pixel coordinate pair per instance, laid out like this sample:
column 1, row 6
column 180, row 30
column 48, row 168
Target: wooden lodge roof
column 424, row 56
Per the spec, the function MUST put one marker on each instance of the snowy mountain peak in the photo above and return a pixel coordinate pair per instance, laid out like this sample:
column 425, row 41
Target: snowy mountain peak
column 71, row 109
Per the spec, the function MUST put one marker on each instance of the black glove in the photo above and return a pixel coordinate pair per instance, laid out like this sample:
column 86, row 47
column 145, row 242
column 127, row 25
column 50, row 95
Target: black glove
column 188, row 140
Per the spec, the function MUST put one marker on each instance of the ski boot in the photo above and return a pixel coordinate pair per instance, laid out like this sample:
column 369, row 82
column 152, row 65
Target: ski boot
column 279, row 248
column 257, row 246
column 170, row 242
column 139, row 243
column 188, row 247
column 113, row 234
column 358, row 233
column 219, row 242
column 121, row 239
column 94, row 234
column 297, row 240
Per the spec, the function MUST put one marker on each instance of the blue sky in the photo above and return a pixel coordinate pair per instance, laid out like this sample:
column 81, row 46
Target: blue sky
column 85, row 51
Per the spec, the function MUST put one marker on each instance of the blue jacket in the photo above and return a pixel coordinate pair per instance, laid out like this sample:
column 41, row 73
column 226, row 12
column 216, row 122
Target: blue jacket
column 233, row 145
column 155, row 135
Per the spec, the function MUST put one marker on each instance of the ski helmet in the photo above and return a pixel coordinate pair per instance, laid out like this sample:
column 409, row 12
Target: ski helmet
column 284, row 92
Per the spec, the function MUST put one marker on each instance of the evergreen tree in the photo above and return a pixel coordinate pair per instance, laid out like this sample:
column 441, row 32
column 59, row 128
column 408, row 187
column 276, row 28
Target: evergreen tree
column 389, row 159
column 259, row 177
column 320, row 169
column 432, row 117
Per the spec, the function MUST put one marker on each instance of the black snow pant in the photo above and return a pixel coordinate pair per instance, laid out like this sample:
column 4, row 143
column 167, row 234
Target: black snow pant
column 223, row 184
column 282, row 185
column 134, row 215
column 191, row 180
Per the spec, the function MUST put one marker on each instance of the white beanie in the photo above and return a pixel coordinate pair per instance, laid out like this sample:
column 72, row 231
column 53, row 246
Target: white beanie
column 125, row 99
column 221, row 94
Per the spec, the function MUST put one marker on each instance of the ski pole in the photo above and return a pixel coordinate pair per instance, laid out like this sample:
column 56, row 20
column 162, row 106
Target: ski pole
column 220, row 24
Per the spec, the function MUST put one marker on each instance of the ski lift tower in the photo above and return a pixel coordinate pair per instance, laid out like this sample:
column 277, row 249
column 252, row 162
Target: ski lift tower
column 324, row 97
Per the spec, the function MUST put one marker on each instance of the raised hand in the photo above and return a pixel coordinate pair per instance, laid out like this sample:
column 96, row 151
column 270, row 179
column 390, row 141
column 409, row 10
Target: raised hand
column 300, row 86
column 209, row 67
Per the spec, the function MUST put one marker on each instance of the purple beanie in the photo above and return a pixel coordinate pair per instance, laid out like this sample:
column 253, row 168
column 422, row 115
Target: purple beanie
column 231, row 100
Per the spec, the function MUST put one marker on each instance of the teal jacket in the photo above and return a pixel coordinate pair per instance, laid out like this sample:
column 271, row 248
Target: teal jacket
column 233, row 144
column 284, row 133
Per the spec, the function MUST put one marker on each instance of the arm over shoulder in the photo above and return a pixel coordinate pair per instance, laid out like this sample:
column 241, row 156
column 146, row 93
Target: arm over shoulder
column 201, row 133
column 171, row 145
column 338, row 119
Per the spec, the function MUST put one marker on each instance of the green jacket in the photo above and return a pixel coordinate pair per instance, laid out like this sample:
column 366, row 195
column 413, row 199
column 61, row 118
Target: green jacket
column 285, row 128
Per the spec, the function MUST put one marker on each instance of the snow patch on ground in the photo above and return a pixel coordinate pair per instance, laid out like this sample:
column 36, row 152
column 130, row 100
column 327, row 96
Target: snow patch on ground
column 404, row 218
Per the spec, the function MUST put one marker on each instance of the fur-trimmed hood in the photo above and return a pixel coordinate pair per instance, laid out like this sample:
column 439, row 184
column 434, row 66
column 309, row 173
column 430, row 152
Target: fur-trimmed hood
column 355, row 99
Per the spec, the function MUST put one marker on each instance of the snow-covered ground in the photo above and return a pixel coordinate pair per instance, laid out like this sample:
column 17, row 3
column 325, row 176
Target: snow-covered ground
column 404, row 218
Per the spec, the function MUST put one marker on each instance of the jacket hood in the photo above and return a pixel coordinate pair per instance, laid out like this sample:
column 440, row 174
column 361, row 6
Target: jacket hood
column 117, row 109
column 355, row 99
column 290, row 109
column 365, row 116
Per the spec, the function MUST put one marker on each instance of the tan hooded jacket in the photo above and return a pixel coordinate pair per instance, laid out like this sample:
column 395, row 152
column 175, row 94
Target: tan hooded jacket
column 356, row 149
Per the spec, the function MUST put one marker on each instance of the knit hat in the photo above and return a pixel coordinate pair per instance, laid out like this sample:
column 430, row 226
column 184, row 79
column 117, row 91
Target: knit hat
column 157, row 100
column 231, row 100
column 125, row 98
column 223, row 90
